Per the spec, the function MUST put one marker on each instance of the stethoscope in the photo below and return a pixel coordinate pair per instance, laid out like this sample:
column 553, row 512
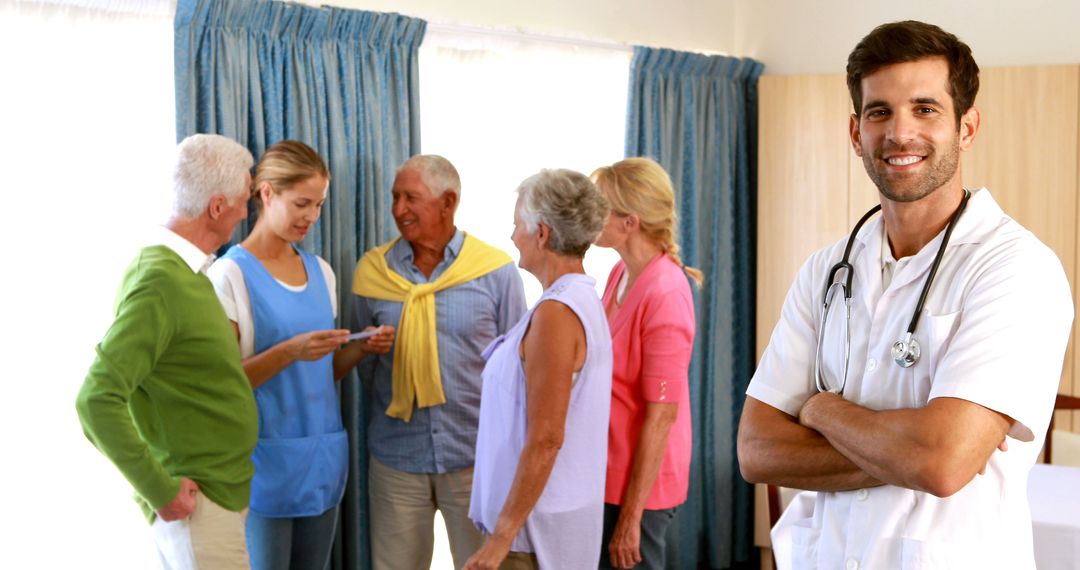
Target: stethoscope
column 906, row 351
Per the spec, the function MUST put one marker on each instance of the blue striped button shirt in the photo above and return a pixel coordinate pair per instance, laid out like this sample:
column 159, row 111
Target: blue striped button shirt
column 438, row 439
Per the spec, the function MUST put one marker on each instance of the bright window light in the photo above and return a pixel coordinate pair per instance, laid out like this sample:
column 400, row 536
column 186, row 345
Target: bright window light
column 88, row 127
column 502, row 106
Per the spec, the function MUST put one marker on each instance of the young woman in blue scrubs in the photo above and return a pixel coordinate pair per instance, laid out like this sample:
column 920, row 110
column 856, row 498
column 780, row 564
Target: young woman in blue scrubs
column 282, row 301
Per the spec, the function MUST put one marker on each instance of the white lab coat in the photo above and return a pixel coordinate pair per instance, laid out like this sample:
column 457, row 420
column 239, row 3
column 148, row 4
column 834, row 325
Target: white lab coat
column 993, row 331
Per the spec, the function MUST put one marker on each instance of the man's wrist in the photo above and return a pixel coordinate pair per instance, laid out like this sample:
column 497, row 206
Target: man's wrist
column 810, row 413
column 163, row 494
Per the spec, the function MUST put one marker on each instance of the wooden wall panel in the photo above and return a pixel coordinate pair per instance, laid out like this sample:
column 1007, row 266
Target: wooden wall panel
column 1026, row 154
column 802, row 181
column 802, row 195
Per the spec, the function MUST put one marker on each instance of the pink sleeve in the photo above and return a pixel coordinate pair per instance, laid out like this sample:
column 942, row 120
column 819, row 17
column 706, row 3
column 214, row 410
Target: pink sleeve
column 667, row 342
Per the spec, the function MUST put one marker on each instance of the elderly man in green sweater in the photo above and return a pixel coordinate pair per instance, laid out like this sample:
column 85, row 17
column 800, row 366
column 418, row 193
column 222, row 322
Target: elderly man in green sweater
column 166, row 399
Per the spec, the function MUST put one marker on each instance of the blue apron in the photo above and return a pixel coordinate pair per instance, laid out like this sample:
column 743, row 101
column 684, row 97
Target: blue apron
column 301, row 460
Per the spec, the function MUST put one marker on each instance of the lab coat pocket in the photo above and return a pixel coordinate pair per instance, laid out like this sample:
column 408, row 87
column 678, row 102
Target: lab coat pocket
column 940, row 555
column 938, row 333
column 804, row 545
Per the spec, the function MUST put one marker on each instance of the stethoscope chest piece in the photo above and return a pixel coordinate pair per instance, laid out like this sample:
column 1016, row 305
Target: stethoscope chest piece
column 906, row 351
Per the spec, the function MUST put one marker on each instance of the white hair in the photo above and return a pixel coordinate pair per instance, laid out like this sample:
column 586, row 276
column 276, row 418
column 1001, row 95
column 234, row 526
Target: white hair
column 568, row 203
column 205, row 166
column 435, row 172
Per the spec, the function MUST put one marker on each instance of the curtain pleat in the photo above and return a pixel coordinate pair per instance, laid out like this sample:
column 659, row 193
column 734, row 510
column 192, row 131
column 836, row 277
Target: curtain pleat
column 697, row 116
column 343, row 81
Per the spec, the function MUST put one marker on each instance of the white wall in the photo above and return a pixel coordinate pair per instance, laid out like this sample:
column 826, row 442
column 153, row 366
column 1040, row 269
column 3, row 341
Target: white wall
column 793, row 37
column 692, row 25
column 789, row 36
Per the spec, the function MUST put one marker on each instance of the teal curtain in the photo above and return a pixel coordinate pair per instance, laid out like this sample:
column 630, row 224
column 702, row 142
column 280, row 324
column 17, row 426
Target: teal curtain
column 344, row 82
column 697, row 116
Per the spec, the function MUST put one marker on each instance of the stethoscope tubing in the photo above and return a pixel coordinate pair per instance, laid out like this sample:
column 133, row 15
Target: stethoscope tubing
column 845, row 264
column 937, row 262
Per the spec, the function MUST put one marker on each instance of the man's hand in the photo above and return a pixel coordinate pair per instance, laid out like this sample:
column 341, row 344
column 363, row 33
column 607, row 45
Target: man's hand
column 807, row 412
column 490, row 555
column 183, row 505
column 625, row 545
column 380, row 343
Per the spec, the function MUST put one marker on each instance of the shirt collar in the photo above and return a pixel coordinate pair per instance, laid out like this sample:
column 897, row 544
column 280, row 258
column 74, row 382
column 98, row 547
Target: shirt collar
column 403, row 249
column 194, row 257
column 980, row 217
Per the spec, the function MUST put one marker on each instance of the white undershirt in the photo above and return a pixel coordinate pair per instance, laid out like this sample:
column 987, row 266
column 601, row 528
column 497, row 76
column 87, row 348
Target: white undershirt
column 889, row 265
column 232, row 291
column 620, row 293
column 194, row 257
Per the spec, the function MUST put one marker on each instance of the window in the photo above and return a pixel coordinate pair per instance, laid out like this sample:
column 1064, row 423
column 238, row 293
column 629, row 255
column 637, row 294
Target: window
column 502, row 106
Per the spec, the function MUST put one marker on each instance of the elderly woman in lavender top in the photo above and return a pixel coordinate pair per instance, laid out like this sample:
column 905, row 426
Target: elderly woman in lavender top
column 541, row 452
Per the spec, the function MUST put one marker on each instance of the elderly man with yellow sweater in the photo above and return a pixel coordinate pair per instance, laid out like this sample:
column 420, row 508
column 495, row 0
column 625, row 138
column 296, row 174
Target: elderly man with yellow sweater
column 450, row 295
column 166, row 399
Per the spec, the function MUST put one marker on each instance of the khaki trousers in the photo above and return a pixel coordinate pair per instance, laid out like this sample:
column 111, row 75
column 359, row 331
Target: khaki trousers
column 520, row 561
column 403, row 509
column 212, row 538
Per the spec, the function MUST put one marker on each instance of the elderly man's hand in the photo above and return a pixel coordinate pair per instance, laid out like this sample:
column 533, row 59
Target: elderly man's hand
column 183, row 505
column 380, row 343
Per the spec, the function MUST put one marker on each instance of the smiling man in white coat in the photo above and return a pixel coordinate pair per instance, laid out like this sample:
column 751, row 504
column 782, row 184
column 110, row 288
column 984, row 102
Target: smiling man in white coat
column 912, row 374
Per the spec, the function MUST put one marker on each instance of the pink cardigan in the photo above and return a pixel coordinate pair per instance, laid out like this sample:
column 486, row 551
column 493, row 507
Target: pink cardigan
column 652, row 340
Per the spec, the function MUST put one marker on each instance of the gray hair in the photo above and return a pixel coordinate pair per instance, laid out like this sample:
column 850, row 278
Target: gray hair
column 435, row 172
column 205, row 166
column 568, row 203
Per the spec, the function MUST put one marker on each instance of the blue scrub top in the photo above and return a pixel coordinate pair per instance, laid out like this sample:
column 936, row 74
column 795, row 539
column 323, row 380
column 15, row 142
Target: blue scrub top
column 301, row 459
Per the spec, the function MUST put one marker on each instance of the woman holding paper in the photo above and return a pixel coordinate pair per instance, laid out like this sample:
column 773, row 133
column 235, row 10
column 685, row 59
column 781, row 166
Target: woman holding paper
column 282, row 302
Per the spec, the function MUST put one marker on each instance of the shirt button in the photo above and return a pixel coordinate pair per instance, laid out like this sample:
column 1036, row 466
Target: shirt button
column 871, row 365
column 852, row 564
column 861, row 495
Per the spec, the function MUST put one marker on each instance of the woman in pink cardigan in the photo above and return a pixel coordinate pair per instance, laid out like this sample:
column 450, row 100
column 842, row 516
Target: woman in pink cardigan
column 650, row 310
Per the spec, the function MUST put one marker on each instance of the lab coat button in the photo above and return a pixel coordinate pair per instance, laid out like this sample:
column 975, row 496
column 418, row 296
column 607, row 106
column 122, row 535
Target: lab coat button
column 871, row 364
column 862, row 494
column 852, row 564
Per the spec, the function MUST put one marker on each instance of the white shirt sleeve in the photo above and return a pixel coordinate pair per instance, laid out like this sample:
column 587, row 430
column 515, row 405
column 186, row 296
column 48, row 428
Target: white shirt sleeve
column 331, row 283
column 784, row 377
column 228, row 280
column 1009, row 342
column 232, row 291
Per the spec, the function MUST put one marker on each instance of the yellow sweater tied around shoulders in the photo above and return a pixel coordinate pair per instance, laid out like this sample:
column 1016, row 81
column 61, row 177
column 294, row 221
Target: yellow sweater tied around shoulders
column 416, row 376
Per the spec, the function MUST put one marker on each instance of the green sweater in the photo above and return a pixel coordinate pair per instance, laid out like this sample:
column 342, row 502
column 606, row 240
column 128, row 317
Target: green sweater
column 166, row 396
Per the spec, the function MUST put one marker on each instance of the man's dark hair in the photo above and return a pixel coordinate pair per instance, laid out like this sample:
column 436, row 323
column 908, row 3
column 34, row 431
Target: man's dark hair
column 901, row 42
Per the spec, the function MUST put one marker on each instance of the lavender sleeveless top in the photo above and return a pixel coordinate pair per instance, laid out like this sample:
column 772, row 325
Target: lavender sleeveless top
column 564, row 528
